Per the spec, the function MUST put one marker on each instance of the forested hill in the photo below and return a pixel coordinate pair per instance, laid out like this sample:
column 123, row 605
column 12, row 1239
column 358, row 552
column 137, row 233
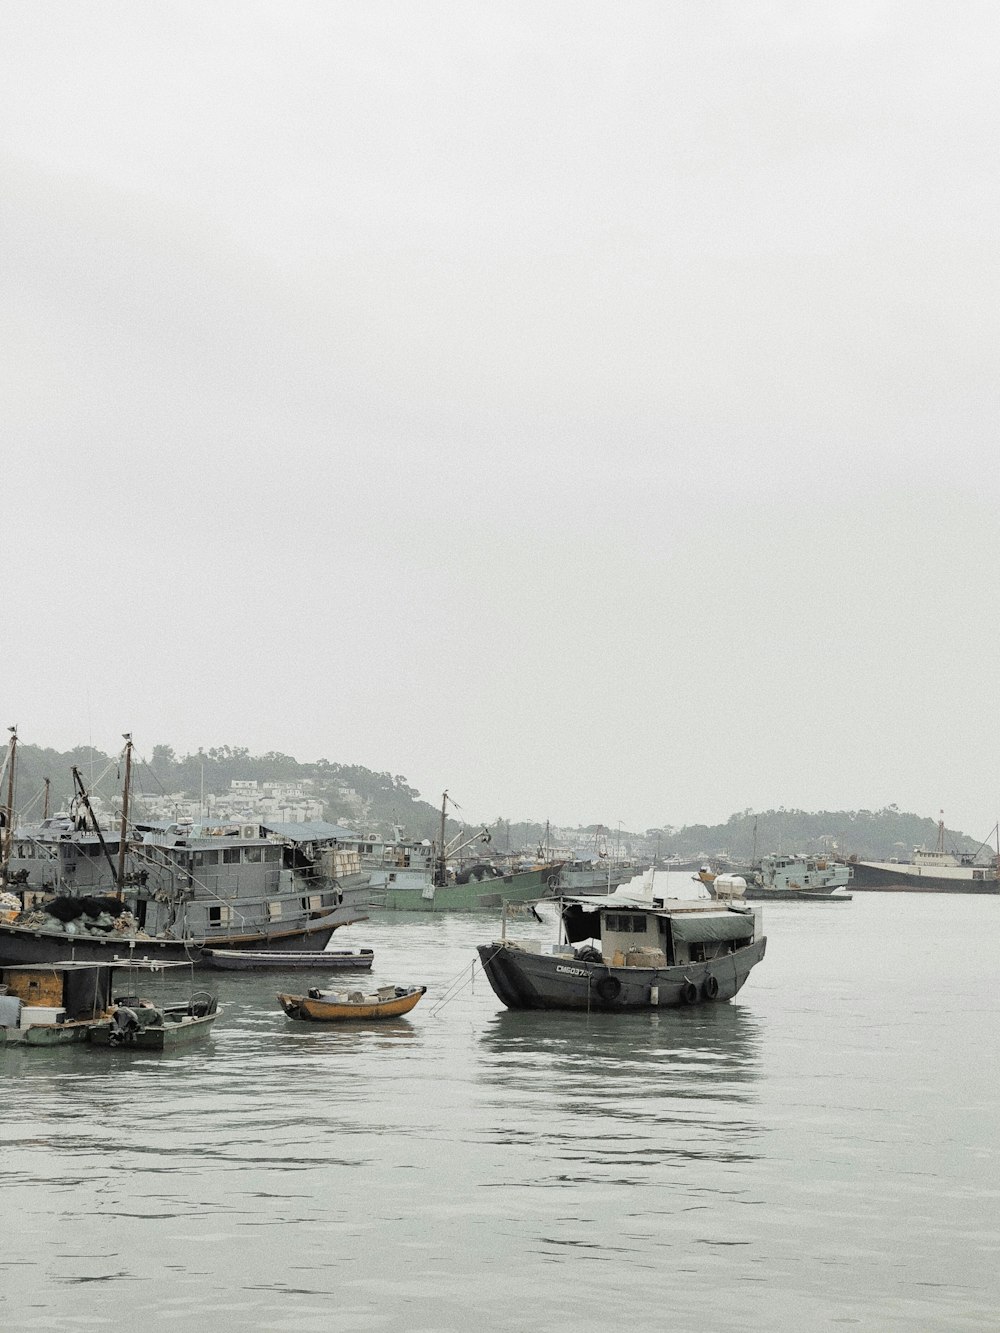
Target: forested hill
column 373, row 802
column 352, row 795
column 866, row 834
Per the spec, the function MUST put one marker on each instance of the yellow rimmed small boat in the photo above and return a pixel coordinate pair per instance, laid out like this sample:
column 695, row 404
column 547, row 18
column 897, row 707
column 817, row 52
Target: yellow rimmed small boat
column 343, row 1006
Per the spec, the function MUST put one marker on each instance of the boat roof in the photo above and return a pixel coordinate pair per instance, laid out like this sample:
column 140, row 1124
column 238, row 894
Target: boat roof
column 80, row 965
column 617, row 902
column 312, row 830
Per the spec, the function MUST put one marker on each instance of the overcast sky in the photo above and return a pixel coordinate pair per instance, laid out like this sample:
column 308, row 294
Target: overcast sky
column 588, row 408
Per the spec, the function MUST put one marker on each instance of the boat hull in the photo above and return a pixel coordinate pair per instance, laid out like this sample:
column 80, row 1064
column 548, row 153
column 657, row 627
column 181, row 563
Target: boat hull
column 34, row 944
column 764, row 895
column 161, row 1036
column 50, row 1034
column 484, row 895
column 313, row 1010
column 594, row 880
column 914, row 879
column 523, row 979
column 327, row 960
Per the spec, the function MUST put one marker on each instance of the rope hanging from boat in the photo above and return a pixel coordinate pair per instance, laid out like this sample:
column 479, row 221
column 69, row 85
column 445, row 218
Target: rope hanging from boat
column 459, row 983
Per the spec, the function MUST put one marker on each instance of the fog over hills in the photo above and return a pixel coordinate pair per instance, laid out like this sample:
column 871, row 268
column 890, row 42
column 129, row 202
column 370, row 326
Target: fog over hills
column 168, row 785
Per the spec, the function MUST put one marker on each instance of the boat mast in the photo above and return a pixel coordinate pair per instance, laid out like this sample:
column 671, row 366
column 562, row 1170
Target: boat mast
column 127, row 738
column 48, row 784
column 8, row 839
column 443, row 856
column 82, row 793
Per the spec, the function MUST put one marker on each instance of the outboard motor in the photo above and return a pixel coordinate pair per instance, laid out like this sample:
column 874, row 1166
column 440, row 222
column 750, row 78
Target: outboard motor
column 124, row 1026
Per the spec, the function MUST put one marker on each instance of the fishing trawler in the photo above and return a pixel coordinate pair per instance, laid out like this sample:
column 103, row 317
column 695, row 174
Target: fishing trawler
column 168, row 891
column 426, row 876
column 781, row 878
column 628, row 951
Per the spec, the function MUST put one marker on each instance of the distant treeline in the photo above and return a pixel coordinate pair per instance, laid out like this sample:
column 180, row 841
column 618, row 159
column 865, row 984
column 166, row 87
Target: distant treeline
column 372, row 802
column 351, row 794
column 871, row 834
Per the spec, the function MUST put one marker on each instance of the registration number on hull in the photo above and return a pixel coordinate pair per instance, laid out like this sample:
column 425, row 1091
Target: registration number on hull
column 573, row 971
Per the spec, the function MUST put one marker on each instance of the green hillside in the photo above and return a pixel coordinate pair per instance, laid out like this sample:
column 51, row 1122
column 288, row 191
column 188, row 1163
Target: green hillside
column 373, row 802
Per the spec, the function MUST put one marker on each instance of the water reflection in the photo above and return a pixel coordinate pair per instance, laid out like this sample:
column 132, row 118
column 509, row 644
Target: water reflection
column 627, row 1091
column 718, row 1041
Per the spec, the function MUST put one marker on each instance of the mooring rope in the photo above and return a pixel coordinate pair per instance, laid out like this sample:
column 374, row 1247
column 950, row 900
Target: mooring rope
column 459, row 983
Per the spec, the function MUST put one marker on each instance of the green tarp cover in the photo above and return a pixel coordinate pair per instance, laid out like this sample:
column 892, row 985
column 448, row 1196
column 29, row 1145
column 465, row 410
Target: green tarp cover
column 699, row 928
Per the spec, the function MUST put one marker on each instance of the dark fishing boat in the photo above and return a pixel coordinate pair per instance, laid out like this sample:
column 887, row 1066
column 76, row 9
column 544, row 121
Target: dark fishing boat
column 626, row 952
column 934, row 870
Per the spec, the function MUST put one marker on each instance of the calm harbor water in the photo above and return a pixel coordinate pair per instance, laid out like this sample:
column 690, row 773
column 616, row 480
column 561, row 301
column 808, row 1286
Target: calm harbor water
column 820, row 1152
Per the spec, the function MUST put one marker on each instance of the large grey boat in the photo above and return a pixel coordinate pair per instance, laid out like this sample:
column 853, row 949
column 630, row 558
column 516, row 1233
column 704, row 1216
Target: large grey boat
column 781, row 878
column 170, row 890
column 628, row 951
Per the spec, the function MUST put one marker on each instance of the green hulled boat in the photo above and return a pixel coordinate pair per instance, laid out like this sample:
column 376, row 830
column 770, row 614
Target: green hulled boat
column 414, row 890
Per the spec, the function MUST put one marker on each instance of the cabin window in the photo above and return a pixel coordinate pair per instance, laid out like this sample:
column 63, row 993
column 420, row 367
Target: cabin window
column 211, row 858
column 625, row 922
column 218, row 916
column 272, row 853
column 254, row 854
column 231, row 856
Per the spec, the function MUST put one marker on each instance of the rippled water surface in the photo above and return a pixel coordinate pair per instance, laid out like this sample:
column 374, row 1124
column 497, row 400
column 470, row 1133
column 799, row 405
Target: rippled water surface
column 820, row 1152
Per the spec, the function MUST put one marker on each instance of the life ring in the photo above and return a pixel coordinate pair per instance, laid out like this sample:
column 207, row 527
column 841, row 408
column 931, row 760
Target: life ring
column 710, row 987
column 689, row 992
column 553, row 881
column 609, row 988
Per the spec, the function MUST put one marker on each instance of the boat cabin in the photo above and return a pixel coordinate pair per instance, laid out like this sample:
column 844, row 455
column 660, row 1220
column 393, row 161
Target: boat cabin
column 634, row 935
column 46, row 993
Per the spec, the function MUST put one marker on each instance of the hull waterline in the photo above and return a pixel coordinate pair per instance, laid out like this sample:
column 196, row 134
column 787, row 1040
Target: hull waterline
column 32, row 944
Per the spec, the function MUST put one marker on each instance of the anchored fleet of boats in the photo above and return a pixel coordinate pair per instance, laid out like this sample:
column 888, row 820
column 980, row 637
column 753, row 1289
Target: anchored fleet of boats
column 89, row 917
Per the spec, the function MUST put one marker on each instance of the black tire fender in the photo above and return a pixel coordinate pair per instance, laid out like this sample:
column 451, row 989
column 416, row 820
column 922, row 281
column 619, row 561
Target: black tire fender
column 689, row 992
column 608, row 988
column 710, row 987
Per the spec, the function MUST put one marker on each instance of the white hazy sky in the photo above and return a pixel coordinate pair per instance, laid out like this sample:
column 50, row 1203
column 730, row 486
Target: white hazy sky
column 590, row 408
